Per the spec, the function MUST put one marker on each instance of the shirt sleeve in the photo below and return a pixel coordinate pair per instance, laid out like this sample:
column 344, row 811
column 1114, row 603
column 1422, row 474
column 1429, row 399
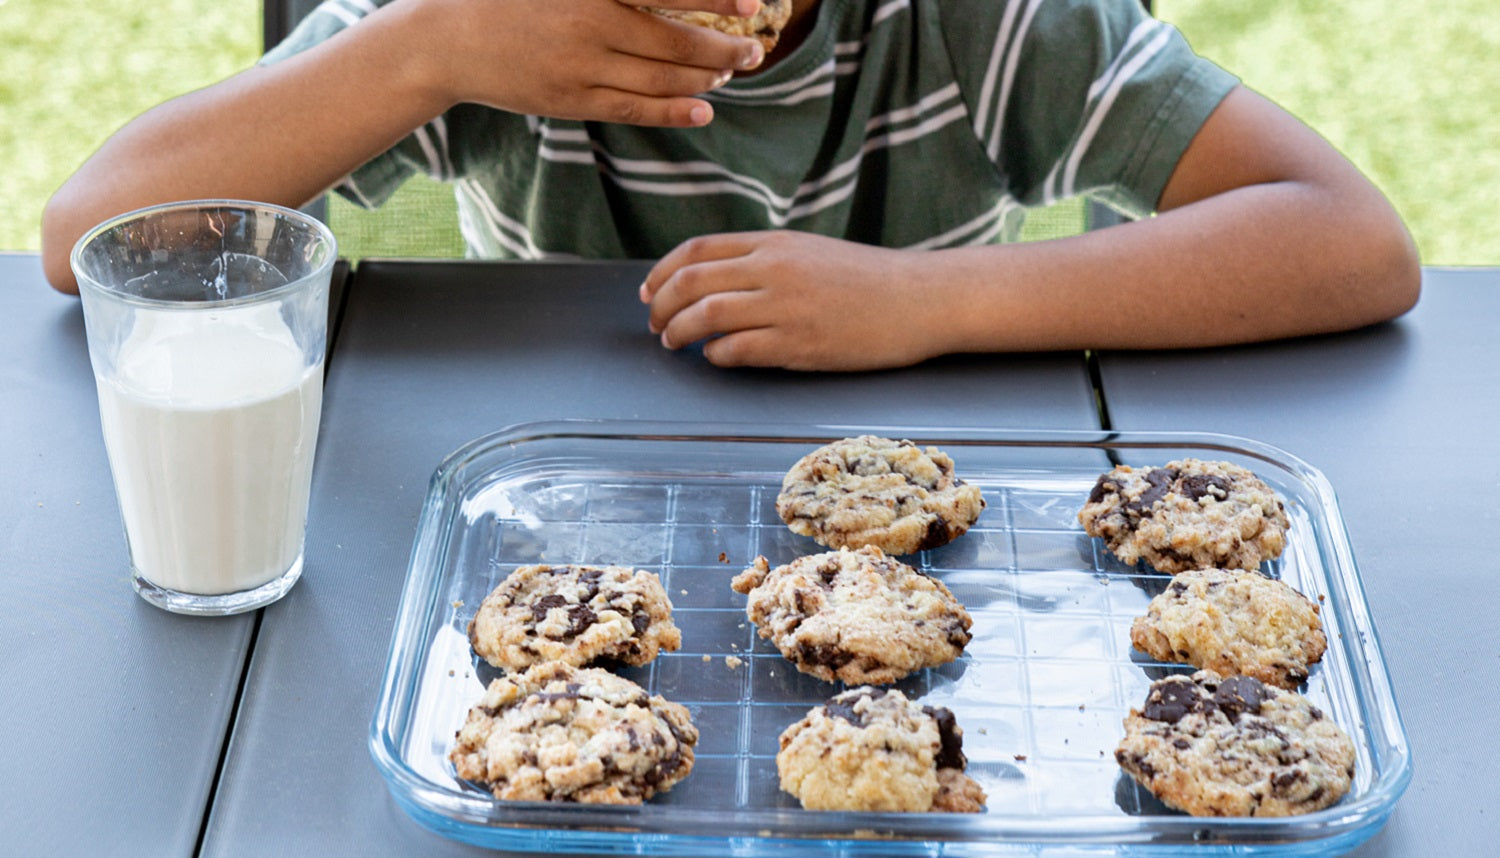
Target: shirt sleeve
column 1081, row 97
column 424, row 150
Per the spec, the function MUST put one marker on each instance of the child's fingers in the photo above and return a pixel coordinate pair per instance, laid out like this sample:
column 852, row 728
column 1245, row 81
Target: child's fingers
column 659, row 79
column 750, row 347
column 714, row 315
column 657, row 38
column 678, row 267
column 629, row 108
column 736, row 8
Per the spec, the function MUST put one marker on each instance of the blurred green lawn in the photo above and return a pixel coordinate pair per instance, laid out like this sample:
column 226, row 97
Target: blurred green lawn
column 1409, row 91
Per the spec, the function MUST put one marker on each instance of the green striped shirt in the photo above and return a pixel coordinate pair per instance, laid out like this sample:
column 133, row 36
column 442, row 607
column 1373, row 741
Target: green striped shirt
column 903, row 123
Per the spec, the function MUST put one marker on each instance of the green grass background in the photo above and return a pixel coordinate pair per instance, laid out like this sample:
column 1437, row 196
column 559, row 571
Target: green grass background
column 1408, row 91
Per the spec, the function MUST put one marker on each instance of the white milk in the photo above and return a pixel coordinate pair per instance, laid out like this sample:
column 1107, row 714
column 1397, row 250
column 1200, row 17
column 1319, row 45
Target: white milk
column 210, row 431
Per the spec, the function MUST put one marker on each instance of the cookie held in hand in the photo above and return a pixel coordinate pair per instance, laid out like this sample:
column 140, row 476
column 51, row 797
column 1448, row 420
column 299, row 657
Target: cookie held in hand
column 764, row 26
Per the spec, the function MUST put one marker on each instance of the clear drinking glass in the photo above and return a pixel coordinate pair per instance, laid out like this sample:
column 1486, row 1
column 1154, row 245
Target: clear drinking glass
column 207, row 324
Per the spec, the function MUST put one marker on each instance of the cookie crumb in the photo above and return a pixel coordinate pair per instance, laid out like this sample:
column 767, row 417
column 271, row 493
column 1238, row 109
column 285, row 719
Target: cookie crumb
column 707, row 658
column 732, row 662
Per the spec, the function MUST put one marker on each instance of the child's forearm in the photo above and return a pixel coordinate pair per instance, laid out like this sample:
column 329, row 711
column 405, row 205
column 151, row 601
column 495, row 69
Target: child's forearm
column 279, row 134
column 1264, row 232
column 285, row 133
column 1254, row 264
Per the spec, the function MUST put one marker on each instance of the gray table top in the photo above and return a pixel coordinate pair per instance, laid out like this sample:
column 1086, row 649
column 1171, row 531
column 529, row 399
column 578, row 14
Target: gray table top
column 116, row 712
column 428, row 357
column 1401, row 418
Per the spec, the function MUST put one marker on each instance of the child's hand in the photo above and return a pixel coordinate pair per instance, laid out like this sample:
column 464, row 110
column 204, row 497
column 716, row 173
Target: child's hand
column 602, row 60
column 796, row 300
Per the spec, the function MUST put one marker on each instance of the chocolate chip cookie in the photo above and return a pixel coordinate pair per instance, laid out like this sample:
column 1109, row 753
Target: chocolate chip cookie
column 569, row 734
column 873, row 749
column 1216, row 746
column 1233, row 621
column 855, row 616
column 574, row 614
column 1189, row 514
column 868, row 490
column 765, row 26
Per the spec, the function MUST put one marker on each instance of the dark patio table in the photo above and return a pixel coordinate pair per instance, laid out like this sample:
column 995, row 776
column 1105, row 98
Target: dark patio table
column 134, row 731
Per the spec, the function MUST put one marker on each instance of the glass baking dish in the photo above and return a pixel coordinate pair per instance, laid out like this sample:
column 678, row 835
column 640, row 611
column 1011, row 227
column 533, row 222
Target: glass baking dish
column 1040, row 691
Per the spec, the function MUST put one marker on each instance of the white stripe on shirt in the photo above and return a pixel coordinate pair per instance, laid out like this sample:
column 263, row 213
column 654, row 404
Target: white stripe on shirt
column 1012, row 61
column 778, row 207
column 432, row 153
column 332, row 7
column 888, row 9
column 819, row 77
column 985, row 225
column 1111, row 91
column 511, row 234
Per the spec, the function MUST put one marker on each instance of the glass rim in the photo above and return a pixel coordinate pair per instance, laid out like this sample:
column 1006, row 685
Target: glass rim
column 88, row 283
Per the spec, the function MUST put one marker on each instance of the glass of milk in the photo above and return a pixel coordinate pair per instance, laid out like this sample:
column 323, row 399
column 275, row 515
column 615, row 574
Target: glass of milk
column 207, row 324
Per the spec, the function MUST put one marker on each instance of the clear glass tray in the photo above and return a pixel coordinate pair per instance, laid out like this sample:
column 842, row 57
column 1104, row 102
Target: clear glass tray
column 1040, row 691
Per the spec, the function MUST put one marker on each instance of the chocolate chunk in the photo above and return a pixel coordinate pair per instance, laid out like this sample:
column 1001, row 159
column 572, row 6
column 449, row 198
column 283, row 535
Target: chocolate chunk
column 958, row 636
column 1282, row 782
column 1173, row 698
column 951, row 740
column 937, row 534
column 540, row 608
column 664, row 769
column 1102, row 486
column 842, row 706
column 825, row 654
column 1158, row 483
column 640, row 622
column 569, row 692
column 579, row 619
column 1240, row 694
column 806, row 604
column 1198, row 485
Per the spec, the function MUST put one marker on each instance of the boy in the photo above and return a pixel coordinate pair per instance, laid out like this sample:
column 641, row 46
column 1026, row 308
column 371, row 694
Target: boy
column 842, row 203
